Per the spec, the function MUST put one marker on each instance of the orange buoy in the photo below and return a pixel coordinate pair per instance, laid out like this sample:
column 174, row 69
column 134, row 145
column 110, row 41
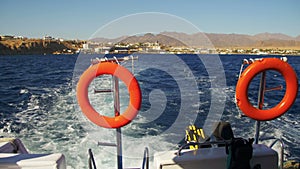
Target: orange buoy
column 133, row 90
column 250, row 72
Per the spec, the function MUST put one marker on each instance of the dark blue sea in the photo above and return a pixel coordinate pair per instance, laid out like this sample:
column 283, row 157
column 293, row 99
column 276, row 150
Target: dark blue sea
column 38, row 105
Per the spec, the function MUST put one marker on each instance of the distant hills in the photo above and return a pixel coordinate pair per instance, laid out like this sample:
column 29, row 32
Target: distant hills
column 176, row 39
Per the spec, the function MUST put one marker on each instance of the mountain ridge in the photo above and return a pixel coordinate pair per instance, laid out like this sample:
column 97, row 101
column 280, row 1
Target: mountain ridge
column 220, row 40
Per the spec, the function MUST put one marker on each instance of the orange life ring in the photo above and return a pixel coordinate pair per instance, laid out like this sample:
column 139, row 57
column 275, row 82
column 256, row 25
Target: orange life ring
column 132, row 86
column 250, row 72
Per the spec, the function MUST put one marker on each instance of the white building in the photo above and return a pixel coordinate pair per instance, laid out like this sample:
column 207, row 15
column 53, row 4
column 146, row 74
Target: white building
column 85, row 46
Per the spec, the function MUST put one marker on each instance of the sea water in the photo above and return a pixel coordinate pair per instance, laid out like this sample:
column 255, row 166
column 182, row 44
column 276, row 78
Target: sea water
column 38, row 105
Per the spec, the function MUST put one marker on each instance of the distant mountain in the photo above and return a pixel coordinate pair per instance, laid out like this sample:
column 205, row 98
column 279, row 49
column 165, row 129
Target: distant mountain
column 231, row 40
column 278, row 44
column 177, row 39
column 161, row 38
column 106, row 40
column 194, row 40
column 269, row 36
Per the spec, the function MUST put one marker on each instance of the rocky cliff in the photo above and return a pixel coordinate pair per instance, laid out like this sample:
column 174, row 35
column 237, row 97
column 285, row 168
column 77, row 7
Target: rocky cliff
column 38, row 46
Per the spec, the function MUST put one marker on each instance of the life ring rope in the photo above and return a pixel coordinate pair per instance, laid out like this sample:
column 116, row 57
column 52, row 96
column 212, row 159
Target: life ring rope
column 254, row 69
column 128, row 79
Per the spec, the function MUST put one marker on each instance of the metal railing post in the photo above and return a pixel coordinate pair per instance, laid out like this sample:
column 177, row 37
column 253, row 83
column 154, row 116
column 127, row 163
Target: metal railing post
column 117, row 113
column 260, row 104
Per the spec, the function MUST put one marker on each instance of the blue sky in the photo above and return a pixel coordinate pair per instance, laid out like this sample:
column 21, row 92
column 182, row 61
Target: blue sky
column 79, row 19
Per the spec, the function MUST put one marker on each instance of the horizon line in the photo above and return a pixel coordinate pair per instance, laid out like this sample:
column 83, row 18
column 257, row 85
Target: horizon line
column 153, row 34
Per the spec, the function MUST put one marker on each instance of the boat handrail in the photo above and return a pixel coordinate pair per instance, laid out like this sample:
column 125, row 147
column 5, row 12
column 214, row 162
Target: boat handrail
column 91, row 160
column 145, row 164
column 281, row 150
column 113, row 59
column 202, row 144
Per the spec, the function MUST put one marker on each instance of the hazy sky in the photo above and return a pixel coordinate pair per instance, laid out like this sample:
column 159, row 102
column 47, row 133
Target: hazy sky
column 79, row 19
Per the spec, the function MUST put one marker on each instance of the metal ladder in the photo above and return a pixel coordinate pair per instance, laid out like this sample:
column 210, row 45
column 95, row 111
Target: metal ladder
column 116, row 99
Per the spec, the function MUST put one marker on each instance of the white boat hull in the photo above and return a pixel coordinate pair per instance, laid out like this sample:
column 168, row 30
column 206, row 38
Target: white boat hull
column 212, row 158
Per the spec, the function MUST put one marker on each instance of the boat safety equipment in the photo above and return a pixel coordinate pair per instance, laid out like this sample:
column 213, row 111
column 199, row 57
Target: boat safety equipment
column 250, row 72
column 194, row 134
column 133, row 90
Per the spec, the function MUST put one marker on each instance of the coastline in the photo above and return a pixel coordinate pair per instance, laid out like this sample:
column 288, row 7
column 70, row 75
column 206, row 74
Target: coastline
column 59, row 46
column 38, row 46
